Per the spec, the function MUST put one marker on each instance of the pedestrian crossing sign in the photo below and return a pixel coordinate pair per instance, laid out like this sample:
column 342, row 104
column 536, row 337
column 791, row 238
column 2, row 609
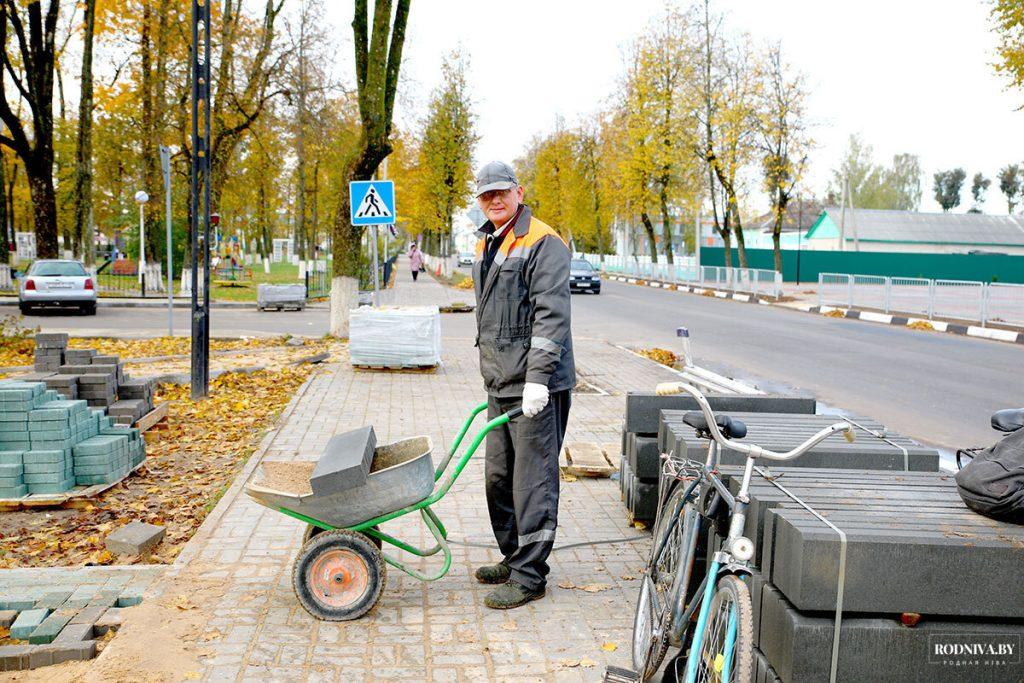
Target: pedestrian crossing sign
column 372, row 202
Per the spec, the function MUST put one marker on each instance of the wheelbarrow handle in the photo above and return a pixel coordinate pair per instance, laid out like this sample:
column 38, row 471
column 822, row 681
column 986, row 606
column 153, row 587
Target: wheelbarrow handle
column 502, row 419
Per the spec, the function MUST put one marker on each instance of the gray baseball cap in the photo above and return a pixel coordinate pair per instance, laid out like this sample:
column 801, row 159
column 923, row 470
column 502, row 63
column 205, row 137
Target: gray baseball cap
column 497, row 175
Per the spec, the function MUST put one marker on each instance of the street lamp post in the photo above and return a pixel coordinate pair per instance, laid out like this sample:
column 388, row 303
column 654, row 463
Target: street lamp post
column 165, row 167
column 141, row 198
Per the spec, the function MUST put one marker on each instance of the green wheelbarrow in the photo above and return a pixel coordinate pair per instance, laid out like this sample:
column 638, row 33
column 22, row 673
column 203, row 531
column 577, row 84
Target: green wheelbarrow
column 340, row 571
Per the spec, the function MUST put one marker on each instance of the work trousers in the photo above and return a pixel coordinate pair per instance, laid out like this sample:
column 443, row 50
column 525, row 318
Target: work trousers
column 521, row 480
column 415, row 274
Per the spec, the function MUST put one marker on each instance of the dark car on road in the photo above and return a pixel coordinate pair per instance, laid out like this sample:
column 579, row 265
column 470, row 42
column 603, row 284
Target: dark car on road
column 583, row 277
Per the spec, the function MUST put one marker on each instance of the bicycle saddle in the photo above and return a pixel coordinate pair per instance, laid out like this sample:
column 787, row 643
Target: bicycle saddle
column 1009, row 420
column 730, row 428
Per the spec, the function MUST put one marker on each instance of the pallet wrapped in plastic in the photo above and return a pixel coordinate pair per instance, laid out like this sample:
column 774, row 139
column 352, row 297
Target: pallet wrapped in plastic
column 395, row 336
column 276, row 296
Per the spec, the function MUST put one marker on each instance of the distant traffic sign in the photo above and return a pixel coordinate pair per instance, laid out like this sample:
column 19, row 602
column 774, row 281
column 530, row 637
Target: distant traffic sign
column 372, row 202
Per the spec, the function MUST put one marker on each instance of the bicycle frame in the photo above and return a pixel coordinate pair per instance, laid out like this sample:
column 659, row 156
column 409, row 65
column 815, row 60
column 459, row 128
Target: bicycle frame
column 727, row 560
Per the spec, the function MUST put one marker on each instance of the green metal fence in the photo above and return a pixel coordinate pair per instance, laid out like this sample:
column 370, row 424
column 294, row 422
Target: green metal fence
column 806, row 266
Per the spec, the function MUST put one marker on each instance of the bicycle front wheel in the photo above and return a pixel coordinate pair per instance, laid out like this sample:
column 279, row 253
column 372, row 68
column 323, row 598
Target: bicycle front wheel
column 727, row 648
column 653, row 619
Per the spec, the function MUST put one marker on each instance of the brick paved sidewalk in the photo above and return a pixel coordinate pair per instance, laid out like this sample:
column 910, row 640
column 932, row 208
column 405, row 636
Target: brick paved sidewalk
column 425, row 290
column 241, row 620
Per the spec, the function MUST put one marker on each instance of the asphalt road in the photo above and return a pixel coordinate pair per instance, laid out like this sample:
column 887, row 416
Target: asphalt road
column 938, row 388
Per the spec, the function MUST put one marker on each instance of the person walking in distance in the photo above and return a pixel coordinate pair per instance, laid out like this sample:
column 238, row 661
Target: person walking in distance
column 415, row 260
column 521, row 278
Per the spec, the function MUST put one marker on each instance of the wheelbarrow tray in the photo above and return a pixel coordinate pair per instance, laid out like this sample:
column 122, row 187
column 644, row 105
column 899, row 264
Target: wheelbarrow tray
column 402, row 474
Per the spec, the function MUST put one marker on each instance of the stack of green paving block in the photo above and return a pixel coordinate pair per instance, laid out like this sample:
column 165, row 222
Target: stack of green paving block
column 12, row 479
column 16, row 400
column 136, row 444
column 54, row 429
column 102, row 459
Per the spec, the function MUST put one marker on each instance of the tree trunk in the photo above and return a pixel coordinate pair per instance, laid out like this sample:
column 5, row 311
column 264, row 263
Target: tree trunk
column 84, row 236
column 652, row 242
column 150, row 134
column 666, row 221
column 5, row 236
column 737, row 229
column 44, row 209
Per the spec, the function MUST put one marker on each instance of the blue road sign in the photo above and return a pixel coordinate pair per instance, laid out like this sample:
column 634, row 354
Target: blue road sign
column 372, row 202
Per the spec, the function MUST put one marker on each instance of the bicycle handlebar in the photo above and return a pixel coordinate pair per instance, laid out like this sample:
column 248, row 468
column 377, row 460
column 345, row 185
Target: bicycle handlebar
column 752, row 450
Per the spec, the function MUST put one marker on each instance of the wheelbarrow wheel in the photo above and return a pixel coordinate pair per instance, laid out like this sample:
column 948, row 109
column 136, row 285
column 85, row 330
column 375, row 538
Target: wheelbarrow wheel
column 312, row 530
column 338, row 575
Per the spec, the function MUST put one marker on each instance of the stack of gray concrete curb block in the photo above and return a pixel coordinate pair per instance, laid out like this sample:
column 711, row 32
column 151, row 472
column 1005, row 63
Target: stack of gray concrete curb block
column 640, row 465
column 782, row 432
column 913, row 549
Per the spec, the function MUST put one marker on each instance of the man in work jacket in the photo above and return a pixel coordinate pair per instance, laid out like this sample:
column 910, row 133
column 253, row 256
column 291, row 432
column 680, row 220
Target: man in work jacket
column 521, row 278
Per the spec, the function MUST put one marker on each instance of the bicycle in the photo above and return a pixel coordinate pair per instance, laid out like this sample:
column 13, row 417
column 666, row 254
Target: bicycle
column 691, row 495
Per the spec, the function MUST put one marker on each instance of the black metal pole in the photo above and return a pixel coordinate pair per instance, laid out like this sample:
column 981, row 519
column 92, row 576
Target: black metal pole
column 200, row 197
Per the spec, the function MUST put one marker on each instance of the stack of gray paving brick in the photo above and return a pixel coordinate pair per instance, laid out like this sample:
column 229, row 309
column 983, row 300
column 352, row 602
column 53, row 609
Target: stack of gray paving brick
column 920, row 569
column 54, row 429
column 65, row 385
column 137, row 390
column 49, row 353
column 79, row 356
column 640, row 465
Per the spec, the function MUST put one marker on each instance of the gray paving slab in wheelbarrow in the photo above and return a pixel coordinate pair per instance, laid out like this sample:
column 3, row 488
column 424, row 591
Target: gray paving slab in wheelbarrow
column 345, row 463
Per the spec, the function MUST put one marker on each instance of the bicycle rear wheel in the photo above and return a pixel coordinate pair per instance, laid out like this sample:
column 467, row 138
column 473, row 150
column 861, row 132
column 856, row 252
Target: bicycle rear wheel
column 727, row 648
column 653, row 619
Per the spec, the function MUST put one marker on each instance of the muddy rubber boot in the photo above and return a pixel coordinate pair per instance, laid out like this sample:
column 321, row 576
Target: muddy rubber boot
column 511, row 595
column 493, row 573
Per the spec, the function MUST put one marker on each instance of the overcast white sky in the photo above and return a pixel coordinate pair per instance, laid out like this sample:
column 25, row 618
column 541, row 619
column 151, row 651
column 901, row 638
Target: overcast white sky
column 909, row 75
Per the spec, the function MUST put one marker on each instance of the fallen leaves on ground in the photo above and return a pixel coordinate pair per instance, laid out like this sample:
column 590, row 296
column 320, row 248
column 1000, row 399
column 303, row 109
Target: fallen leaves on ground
column 835, row 313
column 587, row 588
column 663, row 356
column 585, row 662
column 187, row 470
column 922, row 325
column 464, row 283
column 167, row 346
column 16, row 344
column 609, row 647
column 183, row 603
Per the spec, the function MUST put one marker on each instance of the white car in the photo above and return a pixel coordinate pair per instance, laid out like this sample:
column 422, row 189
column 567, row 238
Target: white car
column 57, row 283
column 466, row 258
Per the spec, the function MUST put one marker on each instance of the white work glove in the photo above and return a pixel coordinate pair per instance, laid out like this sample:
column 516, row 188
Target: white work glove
column 535, row 397
column 668, row 388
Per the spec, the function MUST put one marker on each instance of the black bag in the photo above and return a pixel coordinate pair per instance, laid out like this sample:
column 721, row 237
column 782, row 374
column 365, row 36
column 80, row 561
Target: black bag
column 993, row 482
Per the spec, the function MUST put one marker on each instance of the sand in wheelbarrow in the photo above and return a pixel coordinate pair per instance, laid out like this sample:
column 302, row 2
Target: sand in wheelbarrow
column 288, row 477
column 396, row 453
